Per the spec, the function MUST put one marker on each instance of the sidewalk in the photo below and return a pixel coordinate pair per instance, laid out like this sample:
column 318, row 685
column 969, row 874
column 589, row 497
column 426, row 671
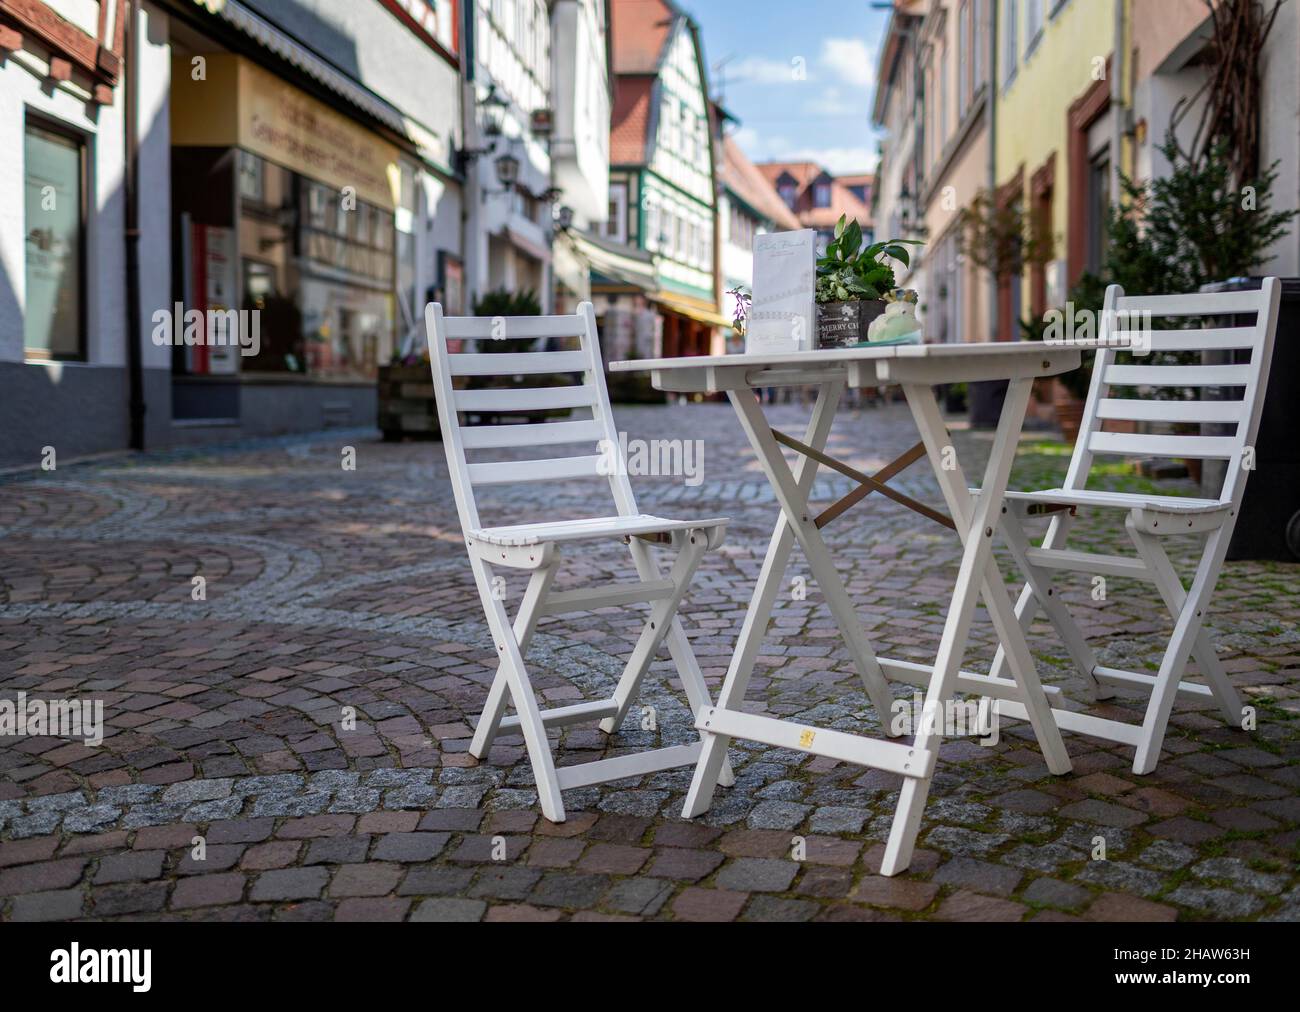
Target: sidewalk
column 333, row 594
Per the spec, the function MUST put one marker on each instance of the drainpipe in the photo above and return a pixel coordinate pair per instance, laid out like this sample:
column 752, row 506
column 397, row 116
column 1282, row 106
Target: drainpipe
column 991, row 7
column 1118, row 97
column 130, row 101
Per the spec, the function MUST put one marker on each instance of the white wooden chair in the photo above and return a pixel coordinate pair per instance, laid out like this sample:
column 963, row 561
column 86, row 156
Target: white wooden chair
column 535, row 547
column 1151, row 518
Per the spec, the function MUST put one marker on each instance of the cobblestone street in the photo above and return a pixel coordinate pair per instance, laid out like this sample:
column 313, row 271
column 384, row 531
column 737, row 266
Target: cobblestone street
column 331, row 591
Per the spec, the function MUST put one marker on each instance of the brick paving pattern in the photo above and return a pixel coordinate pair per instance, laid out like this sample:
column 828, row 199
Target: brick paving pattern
column 293, row 744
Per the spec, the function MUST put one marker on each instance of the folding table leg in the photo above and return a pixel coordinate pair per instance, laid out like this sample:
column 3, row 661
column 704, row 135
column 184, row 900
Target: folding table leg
column 759, row 612
column 794, row 504
column 657, row 626
column 679, row 648
column 489, row 722
column 521, row 694
column 1189, row 617
column 976, row 574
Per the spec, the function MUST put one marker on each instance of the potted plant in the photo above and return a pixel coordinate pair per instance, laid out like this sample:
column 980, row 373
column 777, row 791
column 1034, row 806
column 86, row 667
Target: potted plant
column 852, row 282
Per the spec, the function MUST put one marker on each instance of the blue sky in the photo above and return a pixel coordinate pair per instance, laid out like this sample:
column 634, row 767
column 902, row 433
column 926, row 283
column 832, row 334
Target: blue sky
column 799, row 76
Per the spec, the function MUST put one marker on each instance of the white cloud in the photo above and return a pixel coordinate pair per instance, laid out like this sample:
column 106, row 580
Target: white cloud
column 746, row 138
column 832, row 102
column 850, row 60
column 761, row 70
column 846, row 161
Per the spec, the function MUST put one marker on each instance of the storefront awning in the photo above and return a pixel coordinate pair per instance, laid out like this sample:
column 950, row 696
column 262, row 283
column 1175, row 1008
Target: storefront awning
column 700, row 314
column 615, row 265
column 284, row 46
column 524, row 244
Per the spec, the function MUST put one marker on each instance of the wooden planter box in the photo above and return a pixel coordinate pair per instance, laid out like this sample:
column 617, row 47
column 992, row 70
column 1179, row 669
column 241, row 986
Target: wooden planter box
column 406, row 403
column 844, row 324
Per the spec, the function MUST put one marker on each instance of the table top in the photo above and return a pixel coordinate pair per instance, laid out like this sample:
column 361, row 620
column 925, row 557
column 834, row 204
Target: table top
column 836, row 356
column 899, row 363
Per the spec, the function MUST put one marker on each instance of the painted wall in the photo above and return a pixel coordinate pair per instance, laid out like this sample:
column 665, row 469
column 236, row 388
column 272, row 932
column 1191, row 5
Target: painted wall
column 1033, row 107
column 580, row 144
column 678, row 195
column 81, row 407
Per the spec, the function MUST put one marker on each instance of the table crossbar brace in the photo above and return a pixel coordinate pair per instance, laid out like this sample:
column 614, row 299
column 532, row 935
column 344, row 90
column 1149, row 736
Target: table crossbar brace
column 868, row 483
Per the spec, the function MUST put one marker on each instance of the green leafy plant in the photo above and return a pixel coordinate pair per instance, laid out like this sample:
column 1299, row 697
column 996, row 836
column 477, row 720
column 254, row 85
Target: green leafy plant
column 847, row 270
column 1002, row 238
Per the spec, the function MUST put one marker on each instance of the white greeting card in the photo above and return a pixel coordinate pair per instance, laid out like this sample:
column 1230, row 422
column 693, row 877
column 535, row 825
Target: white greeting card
column 781, row 318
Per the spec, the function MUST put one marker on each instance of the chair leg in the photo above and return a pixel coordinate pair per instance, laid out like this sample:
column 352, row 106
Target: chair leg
column 1175, row 596
column 521, row 695
column 657, row 626
column 489, row 722
column 1039, row 593
column 679, row 648
column 1187, row 624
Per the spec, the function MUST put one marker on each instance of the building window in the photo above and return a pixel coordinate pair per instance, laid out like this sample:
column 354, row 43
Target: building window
column 942, row 139
column 651, row 238
column 963, row 58
column 616, row 224
column 1098, row 208
column 787, row 192
column 1010, row 40
column 1033, row 24
column 822, row 193
column 54, row 167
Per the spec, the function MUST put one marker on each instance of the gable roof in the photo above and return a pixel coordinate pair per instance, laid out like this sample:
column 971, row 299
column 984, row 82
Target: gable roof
column 629, row 128
column 805, row 174
column 640, row 30
column 744, row 179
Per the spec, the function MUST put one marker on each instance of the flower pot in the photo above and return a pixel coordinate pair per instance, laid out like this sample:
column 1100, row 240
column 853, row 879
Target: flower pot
column 1069, row 413
column 844, row 324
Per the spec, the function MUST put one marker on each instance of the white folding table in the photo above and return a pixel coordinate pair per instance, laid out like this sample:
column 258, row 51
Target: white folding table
column 918, row 369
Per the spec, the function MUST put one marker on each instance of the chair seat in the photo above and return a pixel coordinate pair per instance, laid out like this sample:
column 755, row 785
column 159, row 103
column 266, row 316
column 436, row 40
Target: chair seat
column 595, row 527
column 1180, row 505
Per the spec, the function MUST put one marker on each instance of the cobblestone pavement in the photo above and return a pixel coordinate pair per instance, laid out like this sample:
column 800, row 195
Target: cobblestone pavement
column 329, row 589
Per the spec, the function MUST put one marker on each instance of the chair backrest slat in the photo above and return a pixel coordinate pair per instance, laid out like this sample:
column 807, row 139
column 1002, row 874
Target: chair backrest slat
column 1126, row 444
column 510, row 328
column 517, row 400
column 552, row 469
column 1194, row 304
column 529, row 363
column 498, row 437
column 1220, row 339
column 1178, row 375
column 1104, row 403
column 596, row 449
column 1171, row 411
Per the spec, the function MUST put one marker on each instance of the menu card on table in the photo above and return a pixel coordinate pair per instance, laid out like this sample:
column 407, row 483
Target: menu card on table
column 781, row 318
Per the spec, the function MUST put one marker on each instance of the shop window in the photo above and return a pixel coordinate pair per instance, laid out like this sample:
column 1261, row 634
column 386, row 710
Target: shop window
column 252, row 177
column 54, row 167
